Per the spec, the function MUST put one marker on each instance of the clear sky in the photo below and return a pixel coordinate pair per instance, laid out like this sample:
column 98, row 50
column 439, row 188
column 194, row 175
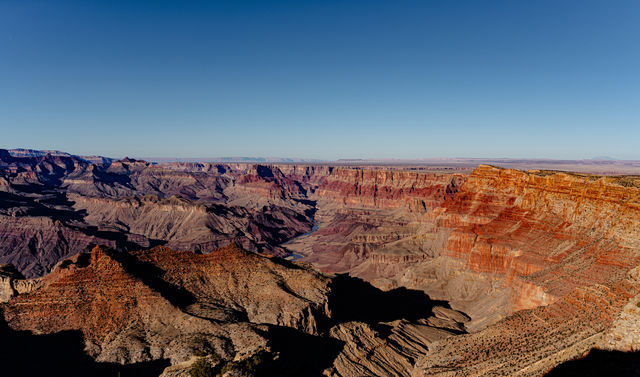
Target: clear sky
column 322, row 79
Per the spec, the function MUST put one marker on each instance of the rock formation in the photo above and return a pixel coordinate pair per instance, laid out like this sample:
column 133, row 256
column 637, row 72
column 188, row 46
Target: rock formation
column 162, row 304
column 528, row 270
column 561, row 245
column 54, row 206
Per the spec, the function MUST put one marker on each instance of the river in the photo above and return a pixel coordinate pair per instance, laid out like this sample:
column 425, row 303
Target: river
column 294, row 256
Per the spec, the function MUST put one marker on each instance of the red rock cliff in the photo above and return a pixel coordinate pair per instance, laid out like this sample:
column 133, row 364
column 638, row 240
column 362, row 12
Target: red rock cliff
column 547, row 234
column 389, row 188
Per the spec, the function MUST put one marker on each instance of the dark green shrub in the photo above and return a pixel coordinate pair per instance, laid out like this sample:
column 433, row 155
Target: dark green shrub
column 253, row 364
column 201, row 368
column 260, row 364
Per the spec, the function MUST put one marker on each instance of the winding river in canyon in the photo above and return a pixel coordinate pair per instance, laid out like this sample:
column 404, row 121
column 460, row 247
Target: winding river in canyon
column 293, row 256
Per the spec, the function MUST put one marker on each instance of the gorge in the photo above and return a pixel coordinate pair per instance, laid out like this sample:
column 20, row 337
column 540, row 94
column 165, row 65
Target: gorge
column 396, row 270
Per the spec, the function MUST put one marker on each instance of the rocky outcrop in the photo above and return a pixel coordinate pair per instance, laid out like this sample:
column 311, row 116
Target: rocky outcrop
column 532, row 342
column 13, row 283
column 249, row 285
column 165, row 304
column 160, row 304
column 368, row 353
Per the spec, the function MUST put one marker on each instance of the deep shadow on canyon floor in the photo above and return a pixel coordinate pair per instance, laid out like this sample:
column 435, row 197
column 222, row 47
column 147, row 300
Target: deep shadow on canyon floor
column 353, row 299
column 600, row 363
column 23, row 354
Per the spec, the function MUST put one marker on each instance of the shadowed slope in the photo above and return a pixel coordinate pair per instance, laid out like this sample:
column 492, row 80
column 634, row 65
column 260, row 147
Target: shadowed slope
column 600, row 363
column 23, row 354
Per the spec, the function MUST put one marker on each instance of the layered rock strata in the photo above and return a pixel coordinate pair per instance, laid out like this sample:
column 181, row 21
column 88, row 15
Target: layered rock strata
column 161, row 304
column 540, row 261
column 54, row 206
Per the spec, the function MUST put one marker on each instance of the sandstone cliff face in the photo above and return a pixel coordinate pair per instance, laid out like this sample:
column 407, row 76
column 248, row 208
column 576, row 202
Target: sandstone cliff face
column 13, row 283
column 381, row 215
column 389, row 189
column 547, row 235
column 537, row 235
column 558, row 244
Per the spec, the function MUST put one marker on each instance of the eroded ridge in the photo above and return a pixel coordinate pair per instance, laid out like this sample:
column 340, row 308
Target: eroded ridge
column 161, row 304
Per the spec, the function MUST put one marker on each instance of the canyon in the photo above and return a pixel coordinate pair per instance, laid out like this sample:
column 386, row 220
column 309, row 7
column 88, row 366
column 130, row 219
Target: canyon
column 398, row 270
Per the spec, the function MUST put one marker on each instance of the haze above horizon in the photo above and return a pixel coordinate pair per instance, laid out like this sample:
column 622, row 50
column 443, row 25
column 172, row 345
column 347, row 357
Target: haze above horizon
column 322, row 80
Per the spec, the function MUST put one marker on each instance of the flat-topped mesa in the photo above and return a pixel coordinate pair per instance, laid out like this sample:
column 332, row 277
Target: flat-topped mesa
column 547, row 234
column 417, row 191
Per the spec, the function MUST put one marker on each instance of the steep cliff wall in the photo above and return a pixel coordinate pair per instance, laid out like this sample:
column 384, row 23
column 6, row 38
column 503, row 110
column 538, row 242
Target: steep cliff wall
column 546, row 234
column 389, row 188
column 493, row 243
column 378, row 213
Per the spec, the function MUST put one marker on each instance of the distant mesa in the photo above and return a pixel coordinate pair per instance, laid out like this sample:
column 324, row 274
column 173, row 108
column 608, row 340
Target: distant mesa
column 22, row 152
column 274, row 160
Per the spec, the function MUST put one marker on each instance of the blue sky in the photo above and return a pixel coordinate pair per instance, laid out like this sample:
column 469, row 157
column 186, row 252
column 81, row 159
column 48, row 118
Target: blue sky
column 322, row 79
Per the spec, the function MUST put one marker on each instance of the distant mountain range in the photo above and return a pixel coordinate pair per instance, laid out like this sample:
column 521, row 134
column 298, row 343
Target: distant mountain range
column 597, row 165
column 22, row 152
column 273, row 160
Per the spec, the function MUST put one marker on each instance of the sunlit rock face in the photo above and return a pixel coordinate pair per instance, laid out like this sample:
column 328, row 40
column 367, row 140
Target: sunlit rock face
column 384, row 189
column 546, row 234
column 540, row 234
column 162, row 303
column 561, row 245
